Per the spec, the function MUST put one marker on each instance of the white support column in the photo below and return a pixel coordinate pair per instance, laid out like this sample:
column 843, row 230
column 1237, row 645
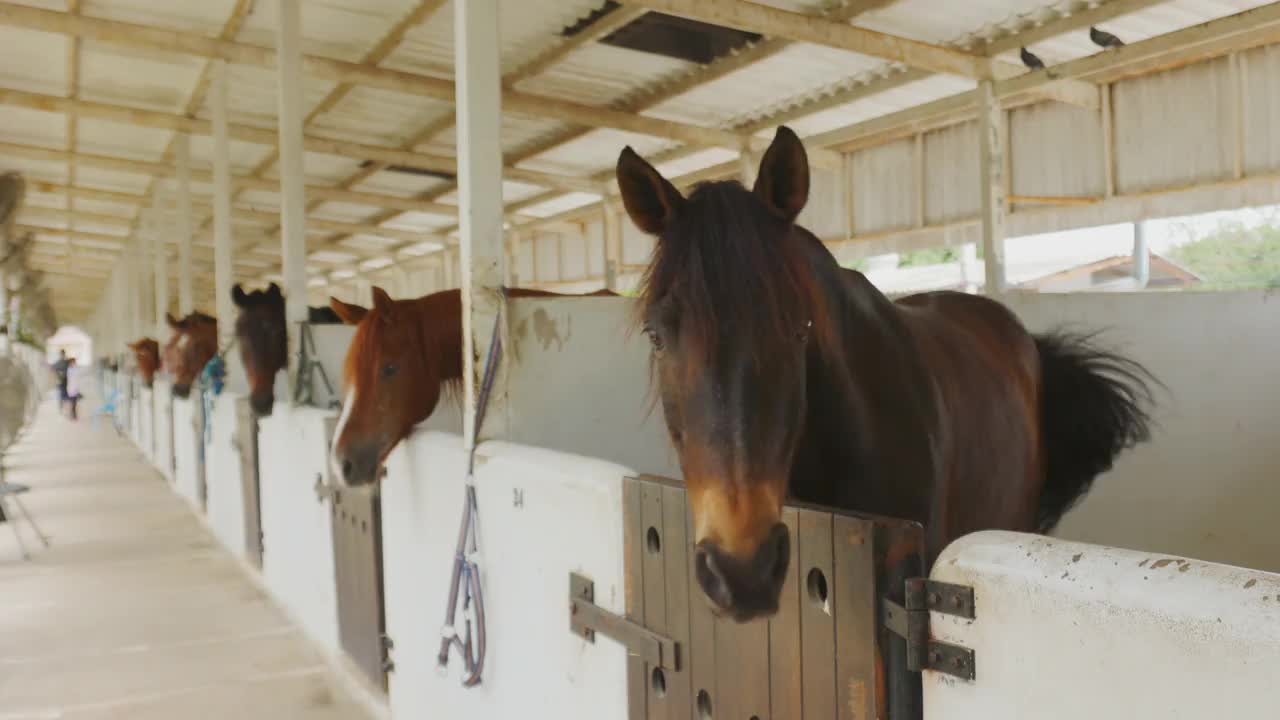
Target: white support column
column 293, row 219
column 222, row 278
column 1141, row 256
column 612, row 245
column 991, row 185
column 186, row 295
column 479, row 120
column 748, row 164
column 1108, row 143
column 137, row 289
column 160, row 259
column 513, row 259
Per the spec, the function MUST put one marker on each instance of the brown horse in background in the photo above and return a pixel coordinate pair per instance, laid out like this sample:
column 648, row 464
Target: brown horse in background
column 783, row 375
column 406, row 355
column 146, row 353
column 194, row 342
column 263, row 336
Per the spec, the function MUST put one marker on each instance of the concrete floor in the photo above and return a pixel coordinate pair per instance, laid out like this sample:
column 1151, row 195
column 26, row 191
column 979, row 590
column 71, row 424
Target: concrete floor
column 135, row 612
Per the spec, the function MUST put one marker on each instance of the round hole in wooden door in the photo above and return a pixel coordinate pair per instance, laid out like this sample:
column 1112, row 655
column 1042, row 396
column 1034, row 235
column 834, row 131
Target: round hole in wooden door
column 659, row 682
column 653, row 540
column 817, row 586
column 704, row 705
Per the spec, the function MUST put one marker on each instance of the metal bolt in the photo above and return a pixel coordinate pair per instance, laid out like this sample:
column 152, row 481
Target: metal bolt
column 573, row 608
column 955, row 601
column 935, row 656
column 957, row 661
column 934, row 599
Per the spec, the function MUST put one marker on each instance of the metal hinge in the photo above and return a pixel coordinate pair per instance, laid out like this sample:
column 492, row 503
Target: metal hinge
column 911, row 623
column 388, row 665
column 586, row 619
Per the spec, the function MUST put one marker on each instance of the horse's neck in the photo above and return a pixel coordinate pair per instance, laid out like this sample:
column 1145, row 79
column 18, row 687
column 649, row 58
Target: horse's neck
column 860, row 401
column 439, row 330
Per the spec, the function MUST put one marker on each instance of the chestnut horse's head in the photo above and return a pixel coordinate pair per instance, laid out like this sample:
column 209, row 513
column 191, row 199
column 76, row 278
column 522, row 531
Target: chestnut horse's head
column 146, row 352
column 264, row 342
column 728, row 303
column 403, row 356
column 194, row 342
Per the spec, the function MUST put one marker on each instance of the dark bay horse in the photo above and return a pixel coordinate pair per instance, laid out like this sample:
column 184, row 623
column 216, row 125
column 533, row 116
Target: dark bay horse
column 405, row 356
column 146, row 353
column 194, row 342
column 264, row 340
column 783, row 375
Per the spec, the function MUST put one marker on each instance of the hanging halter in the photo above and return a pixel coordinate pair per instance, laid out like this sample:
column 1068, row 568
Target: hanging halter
column 466, row 569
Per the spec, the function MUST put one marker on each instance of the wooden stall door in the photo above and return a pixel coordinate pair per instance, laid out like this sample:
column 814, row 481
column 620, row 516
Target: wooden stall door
column 357, row 548
column 246, row 440
column 824, row 656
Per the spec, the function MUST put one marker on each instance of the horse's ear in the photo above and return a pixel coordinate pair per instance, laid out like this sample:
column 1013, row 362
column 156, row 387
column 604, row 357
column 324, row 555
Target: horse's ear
column 172, row 323
column 348, row 313
column 274, row 290
column 783, row 180
column 381, row 300
column 238, row 295
column 651, row 200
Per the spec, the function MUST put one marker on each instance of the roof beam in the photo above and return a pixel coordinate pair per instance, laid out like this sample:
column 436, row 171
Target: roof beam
column 143, row 167
column 262, row 136
column 185, row 43
column 767, row 20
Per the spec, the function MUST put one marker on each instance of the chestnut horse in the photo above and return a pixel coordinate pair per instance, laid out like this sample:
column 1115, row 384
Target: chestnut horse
column 146, row 353
column 194, row 342
column 783, row 375
column 405, row 355
column 264, row 340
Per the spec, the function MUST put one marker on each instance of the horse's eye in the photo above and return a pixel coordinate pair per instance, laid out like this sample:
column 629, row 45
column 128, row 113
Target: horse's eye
column 803, row 333
column 389, row 370
column 655, row 339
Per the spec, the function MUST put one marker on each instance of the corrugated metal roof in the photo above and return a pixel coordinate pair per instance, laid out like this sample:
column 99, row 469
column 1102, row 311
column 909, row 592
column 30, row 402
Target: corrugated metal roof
column 593, row 75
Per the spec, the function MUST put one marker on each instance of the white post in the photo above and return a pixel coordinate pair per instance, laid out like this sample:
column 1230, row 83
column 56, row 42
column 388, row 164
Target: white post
column 748, row 164
column 161, row 271
column 1141, row 255
column 479, row 120
column 186, row 296
column 293, row 228
column 135, row 263
column 612, row 245
column 223, row 306
column 991, row 186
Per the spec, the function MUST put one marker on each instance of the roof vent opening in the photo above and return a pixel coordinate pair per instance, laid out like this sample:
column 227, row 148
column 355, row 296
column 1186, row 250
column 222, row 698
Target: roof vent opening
column 668, row 35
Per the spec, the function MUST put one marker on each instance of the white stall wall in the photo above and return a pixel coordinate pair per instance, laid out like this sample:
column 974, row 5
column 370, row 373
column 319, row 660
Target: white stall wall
column 297, row 528
column 1206, row 486
column 161, row 396
column 543, row 515
column 223, row 476
column 186, row 453
column 579, row 361
column 1127, row 634
column 147, row 412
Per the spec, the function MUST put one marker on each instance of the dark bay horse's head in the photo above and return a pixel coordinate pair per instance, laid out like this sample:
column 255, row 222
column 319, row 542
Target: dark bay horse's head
column 146, row 353
column 728, row 303
column 264, row 342
column 403, row 354
column 194, row 342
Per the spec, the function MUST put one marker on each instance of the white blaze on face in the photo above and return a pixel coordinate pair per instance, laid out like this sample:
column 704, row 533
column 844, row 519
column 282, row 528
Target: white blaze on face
column 347, row 403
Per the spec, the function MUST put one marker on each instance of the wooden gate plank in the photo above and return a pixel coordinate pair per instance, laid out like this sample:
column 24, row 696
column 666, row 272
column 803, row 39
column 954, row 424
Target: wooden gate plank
column 702, row 640
column 855, row 616
column 633, row 547
column 655, row 586
column 675, row 543
column 817, row 626
column 784, row 635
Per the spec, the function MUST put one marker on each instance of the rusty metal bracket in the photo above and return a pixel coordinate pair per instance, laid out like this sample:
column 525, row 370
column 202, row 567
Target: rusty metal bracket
column 911, row 623
column 586, row 619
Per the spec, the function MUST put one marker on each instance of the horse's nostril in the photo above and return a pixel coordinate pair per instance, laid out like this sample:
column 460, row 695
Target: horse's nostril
column 346, row 469
column 780, row 546
column 711, row 579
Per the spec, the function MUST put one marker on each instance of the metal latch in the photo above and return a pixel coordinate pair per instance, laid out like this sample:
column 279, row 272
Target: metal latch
column 911, row 623
column 388, row 664
column 586, row 619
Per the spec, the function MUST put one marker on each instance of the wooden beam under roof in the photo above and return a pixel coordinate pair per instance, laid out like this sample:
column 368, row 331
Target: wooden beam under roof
column 187, row 43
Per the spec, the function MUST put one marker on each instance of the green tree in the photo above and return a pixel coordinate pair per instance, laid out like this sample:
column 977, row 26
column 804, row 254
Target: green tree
column 1234, row 257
